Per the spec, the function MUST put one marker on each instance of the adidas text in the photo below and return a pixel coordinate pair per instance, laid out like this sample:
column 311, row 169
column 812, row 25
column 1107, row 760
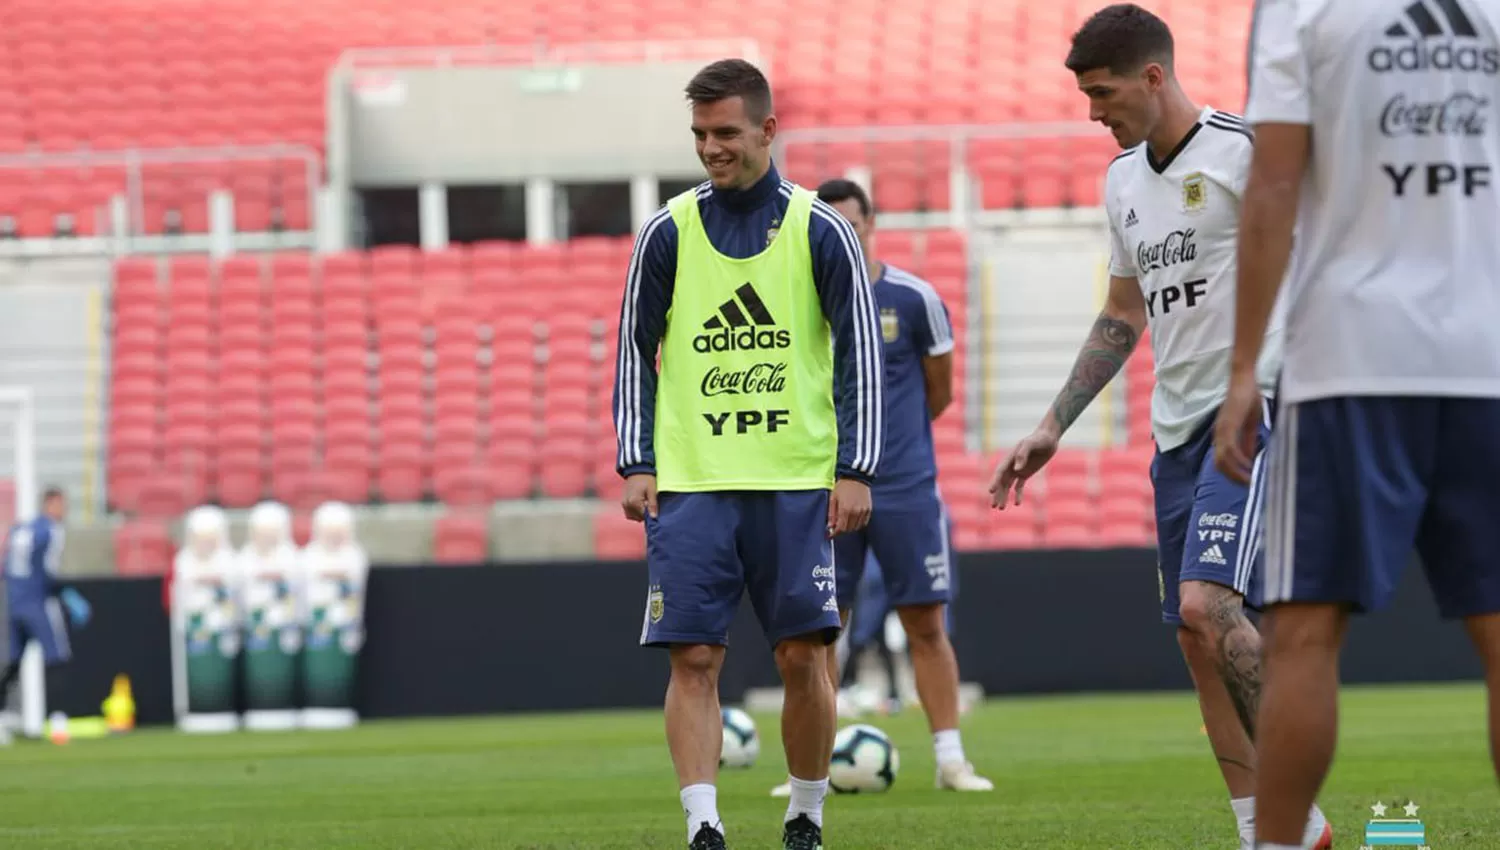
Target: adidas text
column 1445, row 56
column 745, row 339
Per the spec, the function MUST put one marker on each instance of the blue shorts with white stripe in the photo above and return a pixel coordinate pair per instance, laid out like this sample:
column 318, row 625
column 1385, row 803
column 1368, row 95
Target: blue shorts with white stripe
column 1356, row 483
column 1207, row 526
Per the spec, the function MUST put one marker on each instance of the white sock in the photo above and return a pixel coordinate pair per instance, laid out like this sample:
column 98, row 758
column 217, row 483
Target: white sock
column 701, row 803
column 1315, row 823
column 1244, row 814
column 807, row 799
column 948, row 747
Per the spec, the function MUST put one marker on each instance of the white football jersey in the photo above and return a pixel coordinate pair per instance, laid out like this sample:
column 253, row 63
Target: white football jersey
column 1174, row 226
column 1394, row 285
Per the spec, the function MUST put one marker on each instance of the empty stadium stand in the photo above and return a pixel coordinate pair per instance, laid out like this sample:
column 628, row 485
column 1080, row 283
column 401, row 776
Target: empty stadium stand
column 108, row 77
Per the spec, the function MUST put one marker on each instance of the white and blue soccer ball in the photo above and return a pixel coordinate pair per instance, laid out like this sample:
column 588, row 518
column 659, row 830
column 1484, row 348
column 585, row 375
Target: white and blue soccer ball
column 864, row 761
column 741, row 741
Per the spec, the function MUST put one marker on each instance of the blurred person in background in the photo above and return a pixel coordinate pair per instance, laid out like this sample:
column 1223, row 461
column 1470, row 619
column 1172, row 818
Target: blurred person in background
column 35, row 597
column 908, row 529
column 757, row 441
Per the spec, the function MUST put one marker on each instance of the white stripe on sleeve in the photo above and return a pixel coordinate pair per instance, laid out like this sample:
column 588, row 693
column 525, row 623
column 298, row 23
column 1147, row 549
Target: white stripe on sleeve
column 938, row 325
column 870, row 391
column 628, row 365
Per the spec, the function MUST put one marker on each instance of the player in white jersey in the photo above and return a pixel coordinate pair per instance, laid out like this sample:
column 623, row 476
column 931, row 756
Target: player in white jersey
column 1172, row 200
column 1377, row 139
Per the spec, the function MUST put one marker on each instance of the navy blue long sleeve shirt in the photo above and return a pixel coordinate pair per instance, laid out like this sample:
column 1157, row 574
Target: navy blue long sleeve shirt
column 738, row 223
column 33, row 552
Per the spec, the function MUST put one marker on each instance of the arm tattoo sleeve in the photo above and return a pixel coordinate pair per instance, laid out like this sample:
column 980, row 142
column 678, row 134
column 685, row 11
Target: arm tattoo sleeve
column 1109, row 344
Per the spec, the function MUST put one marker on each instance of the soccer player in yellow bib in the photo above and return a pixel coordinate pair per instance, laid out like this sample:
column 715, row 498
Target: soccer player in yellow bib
column 756, row 440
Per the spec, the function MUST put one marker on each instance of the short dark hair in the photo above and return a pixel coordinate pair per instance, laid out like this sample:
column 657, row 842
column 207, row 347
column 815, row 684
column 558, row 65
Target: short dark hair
column 732, row 78
column 1122, row 38
column 52, row 493
column 838, row 189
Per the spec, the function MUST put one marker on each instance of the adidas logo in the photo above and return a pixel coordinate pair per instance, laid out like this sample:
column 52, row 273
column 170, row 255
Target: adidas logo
column 1212, row 555
column 1130, row 219
column 742, row 324
column 1436, row 29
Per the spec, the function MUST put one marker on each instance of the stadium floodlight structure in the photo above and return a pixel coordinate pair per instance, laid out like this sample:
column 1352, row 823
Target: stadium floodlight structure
column 19, row 409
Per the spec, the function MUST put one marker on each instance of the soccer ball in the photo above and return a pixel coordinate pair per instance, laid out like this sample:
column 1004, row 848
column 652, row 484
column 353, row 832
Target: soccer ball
column 741, row 742
column 864, row 760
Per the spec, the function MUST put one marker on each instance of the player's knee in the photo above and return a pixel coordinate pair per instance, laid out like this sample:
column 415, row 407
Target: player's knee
column 1209, row 610
column 923, row 625
column 696, row 665
column 1304, row 629
column 801, row 660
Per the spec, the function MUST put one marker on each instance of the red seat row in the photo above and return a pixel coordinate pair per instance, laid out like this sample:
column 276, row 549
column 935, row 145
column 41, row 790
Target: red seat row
column 386, row 375
column 132, row 74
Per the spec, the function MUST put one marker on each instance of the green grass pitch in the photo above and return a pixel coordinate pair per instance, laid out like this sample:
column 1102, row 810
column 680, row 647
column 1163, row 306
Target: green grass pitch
column 1072, row 772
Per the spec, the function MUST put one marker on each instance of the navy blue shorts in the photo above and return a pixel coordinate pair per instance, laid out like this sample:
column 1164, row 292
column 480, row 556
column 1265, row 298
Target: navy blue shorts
column 872, row 604
column 1207, row 526
column 42, row 622
column 705, row 550
column 910, row 540
column 1357, row 483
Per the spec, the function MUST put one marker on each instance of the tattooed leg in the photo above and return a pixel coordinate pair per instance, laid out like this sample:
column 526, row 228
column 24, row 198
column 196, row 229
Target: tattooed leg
column 1222, row 649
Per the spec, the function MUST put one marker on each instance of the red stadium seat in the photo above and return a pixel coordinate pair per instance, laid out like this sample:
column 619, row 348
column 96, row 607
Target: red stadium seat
column 143, row 548
column 401, row 473
column 616, row 538
column 512, row 465
column 460, row 538
column 347, row 478
column 241, row 478
column 128, row 475
column 456, row 484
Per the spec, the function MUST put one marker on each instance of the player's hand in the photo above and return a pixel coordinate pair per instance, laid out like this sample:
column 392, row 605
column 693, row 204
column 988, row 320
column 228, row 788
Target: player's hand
column 639, row 500
column 1024, row 461
column 79, row 610
column 1238, row 427
column 848, row 507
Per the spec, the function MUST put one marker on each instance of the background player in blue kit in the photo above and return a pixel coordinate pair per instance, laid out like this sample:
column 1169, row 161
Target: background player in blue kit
column 34, row 596
column 1373, row 199
column 908, row 528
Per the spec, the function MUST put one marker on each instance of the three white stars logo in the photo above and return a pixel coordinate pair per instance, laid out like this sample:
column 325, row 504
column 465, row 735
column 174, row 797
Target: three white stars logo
column 1380, row 808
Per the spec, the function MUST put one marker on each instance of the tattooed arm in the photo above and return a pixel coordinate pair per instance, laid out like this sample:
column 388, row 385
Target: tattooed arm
column 1114, row 336
column 1110, row 342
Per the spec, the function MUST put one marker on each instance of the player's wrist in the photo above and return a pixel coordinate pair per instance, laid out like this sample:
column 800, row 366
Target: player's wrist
column 1242, row 367
column 1050, row 427
column 851, row 474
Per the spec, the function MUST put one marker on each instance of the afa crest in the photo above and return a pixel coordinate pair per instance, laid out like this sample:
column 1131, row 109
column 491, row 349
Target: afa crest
column 656, row 606
column 1194, row 193
column 890, row 324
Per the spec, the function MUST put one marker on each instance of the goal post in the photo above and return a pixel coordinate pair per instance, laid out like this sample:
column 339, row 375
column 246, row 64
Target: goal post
column 18, row 415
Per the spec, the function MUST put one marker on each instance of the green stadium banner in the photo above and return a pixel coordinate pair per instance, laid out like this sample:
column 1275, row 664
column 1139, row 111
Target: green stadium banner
column 334, row 588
